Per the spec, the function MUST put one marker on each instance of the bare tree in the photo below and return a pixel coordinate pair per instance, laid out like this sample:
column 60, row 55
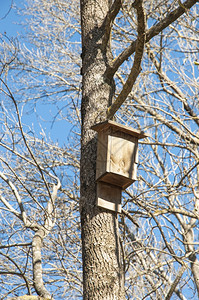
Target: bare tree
column 29, row 186
column 139, row 65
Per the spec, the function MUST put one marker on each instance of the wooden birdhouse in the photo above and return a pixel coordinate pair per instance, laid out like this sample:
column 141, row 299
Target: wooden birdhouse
column 117, row 153
column 117, row 158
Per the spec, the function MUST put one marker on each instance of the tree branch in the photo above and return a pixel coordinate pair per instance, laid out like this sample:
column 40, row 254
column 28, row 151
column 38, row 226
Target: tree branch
column 186, row 174
column 128, row 215
column 9, row 94
column 168, row 246
column 21, row 273
column 108, row 22
column 136, row 68
column 29, row 161
column 153, row 31
column 175, row 282
column 37, row 265
column 147, row 108
column 50, row 211
column 23, row 215
column 179, row 95
column 21, row 182
column 37, row 243
column 15, row 245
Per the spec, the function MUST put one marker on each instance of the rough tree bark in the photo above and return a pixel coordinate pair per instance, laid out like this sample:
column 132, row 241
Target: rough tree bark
column 102, row 270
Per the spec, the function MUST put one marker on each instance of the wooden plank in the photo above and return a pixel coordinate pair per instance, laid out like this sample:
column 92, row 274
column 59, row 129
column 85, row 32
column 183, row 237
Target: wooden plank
column 118, row 127
column 118, row 180
column 102, row 150
column 109, row 197
column 109, row 205
column 122, row 157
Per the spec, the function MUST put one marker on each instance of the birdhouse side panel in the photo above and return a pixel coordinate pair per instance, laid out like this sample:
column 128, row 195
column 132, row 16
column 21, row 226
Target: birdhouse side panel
column 102, row 154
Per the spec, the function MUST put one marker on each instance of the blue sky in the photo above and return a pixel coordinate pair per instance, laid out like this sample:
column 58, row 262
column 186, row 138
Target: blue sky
column 9, row 18
column 9, row 25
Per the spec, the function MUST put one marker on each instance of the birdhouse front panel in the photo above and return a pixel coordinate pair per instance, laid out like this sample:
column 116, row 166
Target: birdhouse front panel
column 122, row 156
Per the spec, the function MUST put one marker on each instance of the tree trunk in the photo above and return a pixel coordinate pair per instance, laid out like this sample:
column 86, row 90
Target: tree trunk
column 102, row 268
column 37, row 265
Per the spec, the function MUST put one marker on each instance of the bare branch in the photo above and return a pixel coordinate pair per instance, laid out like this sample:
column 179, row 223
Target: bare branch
column 23, row 215
column 10, row 208
column 37, row 265
column 29, row 161
column 21, row 182
column 136, row 68
column 128, row 215
column 153, row 31
column 175, row 282
column 186, row 174
column 23, row 135
column 49, row 223
column 108, row 23
column 179, row 95
column 159, row 117
column 21, row 273
column 9, row 10
column 15, row 245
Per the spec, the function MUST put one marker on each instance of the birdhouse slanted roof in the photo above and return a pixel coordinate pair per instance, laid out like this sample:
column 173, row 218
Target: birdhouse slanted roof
column 109, row 124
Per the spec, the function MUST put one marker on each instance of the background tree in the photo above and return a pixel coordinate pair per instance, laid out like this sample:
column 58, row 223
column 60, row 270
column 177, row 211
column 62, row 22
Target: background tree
column 146, row 55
